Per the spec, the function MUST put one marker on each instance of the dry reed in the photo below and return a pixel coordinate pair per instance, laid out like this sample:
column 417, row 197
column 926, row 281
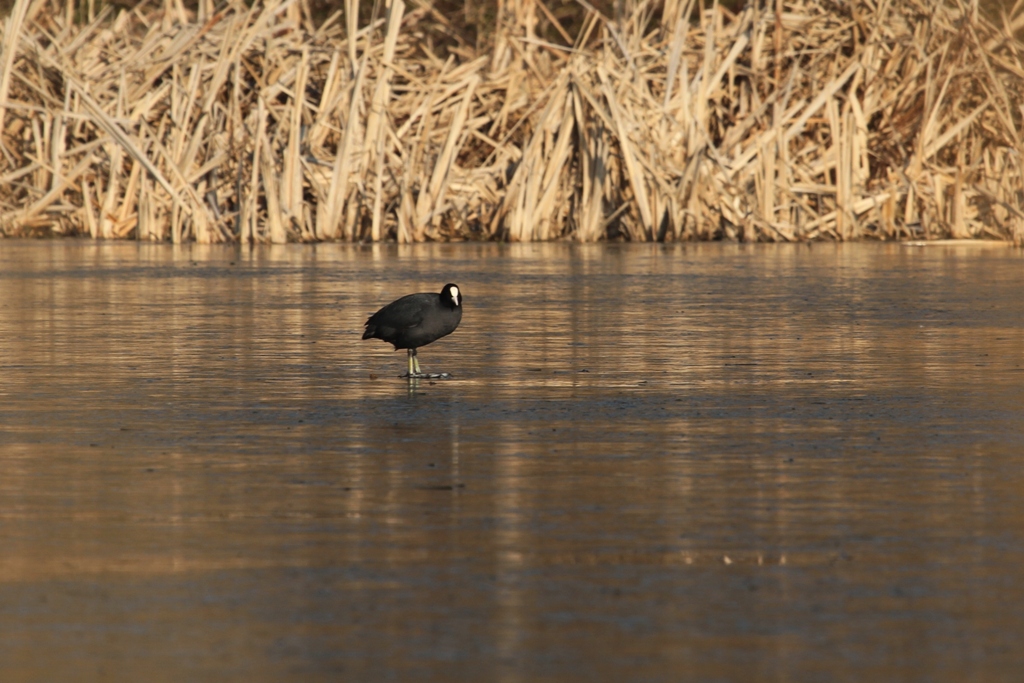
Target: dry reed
column 800, row 120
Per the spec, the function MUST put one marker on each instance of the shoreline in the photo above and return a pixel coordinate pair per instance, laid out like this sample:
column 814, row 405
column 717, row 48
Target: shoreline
column 164, row 124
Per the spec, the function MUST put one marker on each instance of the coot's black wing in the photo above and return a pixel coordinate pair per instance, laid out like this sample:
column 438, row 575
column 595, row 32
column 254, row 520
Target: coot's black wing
column 397, row 321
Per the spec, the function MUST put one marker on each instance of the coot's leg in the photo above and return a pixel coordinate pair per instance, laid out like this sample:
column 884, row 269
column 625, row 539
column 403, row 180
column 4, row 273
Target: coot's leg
column 415, row 361
column 411, row 353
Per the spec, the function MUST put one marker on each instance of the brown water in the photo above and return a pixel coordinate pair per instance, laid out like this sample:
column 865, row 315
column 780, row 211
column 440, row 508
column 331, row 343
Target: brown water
column 654, row 463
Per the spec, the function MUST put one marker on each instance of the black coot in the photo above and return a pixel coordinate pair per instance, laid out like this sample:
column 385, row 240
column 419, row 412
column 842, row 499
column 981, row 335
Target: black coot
column 416, row 320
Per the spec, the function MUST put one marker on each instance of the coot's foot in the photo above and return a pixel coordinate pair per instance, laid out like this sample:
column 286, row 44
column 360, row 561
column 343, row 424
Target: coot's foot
column 427, row 375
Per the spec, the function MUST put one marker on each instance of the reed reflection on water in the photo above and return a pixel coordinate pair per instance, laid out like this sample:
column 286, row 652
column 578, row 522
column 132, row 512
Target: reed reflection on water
column 653, row 462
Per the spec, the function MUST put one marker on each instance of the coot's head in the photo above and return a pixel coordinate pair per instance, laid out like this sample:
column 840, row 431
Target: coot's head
column 451, row 296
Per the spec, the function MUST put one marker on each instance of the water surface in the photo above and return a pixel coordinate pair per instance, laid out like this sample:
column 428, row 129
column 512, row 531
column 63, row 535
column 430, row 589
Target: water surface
column 654, row 463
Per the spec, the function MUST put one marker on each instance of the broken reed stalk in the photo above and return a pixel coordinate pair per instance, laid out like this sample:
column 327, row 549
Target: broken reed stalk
column 790, row 120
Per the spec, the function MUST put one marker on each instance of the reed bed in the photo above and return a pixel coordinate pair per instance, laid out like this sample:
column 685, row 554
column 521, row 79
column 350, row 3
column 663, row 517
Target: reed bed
column 802, row 120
